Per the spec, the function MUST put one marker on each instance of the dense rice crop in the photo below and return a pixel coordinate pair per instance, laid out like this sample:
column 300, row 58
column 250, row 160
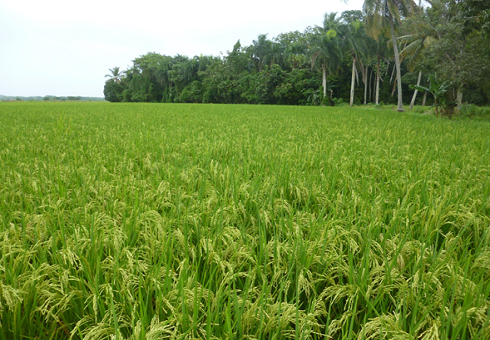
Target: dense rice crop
column 155, row 221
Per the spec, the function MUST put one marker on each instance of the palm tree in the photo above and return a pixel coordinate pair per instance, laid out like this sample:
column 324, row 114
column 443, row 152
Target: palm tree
column 356, row 43
column 275, row 54
column 259, row 50
column 414, row 47
column 368, row 62
column 414, row 44
column 381, row 54
column 381, row 16
column 115, row 74
column 327, row 49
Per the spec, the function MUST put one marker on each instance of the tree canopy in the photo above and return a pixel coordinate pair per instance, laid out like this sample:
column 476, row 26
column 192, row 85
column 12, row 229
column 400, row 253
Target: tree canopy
column 392, row 46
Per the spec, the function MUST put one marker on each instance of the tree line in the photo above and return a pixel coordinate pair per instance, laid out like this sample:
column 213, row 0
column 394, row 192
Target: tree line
column 49, row 98
column 387, row 53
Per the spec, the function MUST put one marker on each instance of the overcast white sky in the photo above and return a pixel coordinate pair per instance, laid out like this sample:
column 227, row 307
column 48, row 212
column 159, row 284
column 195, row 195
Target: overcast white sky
column 65, row 48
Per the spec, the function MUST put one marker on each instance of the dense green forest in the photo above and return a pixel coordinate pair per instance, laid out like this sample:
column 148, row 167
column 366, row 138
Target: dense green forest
column 393, row 52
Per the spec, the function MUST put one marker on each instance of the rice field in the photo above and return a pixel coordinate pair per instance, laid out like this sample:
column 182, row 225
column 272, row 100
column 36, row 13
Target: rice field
column 159, row 221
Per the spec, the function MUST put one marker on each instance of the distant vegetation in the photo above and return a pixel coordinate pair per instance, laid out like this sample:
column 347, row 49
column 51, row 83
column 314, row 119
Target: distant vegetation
column 390, row 53
column 51, row 98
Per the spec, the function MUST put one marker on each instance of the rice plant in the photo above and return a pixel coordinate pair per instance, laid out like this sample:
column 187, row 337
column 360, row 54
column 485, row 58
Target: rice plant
column 153, row 221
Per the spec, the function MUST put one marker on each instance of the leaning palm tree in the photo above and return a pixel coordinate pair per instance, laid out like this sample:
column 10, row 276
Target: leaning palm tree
column 327, row 48
column 416, row 44
column 421, row 35
column 381, row 17
column 115, row 74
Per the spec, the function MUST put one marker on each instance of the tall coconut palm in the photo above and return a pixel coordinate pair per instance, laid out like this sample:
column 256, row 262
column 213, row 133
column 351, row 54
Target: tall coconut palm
column 115, row 74
column 326, row 47
column 355, row 41
column 382, row 16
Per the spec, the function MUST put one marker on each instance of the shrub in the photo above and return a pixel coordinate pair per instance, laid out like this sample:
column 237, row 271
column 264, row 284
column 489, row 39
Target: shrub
column 467, row 110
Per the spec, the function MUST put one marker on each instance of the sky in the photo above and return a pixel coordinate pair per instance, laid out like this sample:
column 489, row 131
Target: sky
column 65, row 48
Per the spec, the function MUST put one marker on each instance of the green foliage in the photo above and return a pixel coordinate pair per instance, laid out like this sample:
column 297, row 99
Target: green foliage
column 468, row 110
column 74, row 98
column 314, row 97
column 326, row 51
column 192, row 93
column 50, row 98
column 127, row 95
column 262, row 85
column 449, row 38
column 474, row 112
column 338, row 101
column 460, row 50
column 113, row 91
column 439, row 90
column 297, row 86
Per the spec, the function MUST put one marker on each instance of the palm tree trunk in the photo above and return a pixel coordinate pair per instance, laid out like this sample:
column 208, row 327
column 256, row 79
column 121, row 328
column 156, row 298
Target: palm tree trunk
column 397, row 64
column 371, row 86
column 424, row 98
column 415, row 93
column 324, row 83
column 459, row 96
column 324, row 80
column 394, row 88
column 353, row 81
column 365, row 76
column 377, row 82
column 392, row 74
